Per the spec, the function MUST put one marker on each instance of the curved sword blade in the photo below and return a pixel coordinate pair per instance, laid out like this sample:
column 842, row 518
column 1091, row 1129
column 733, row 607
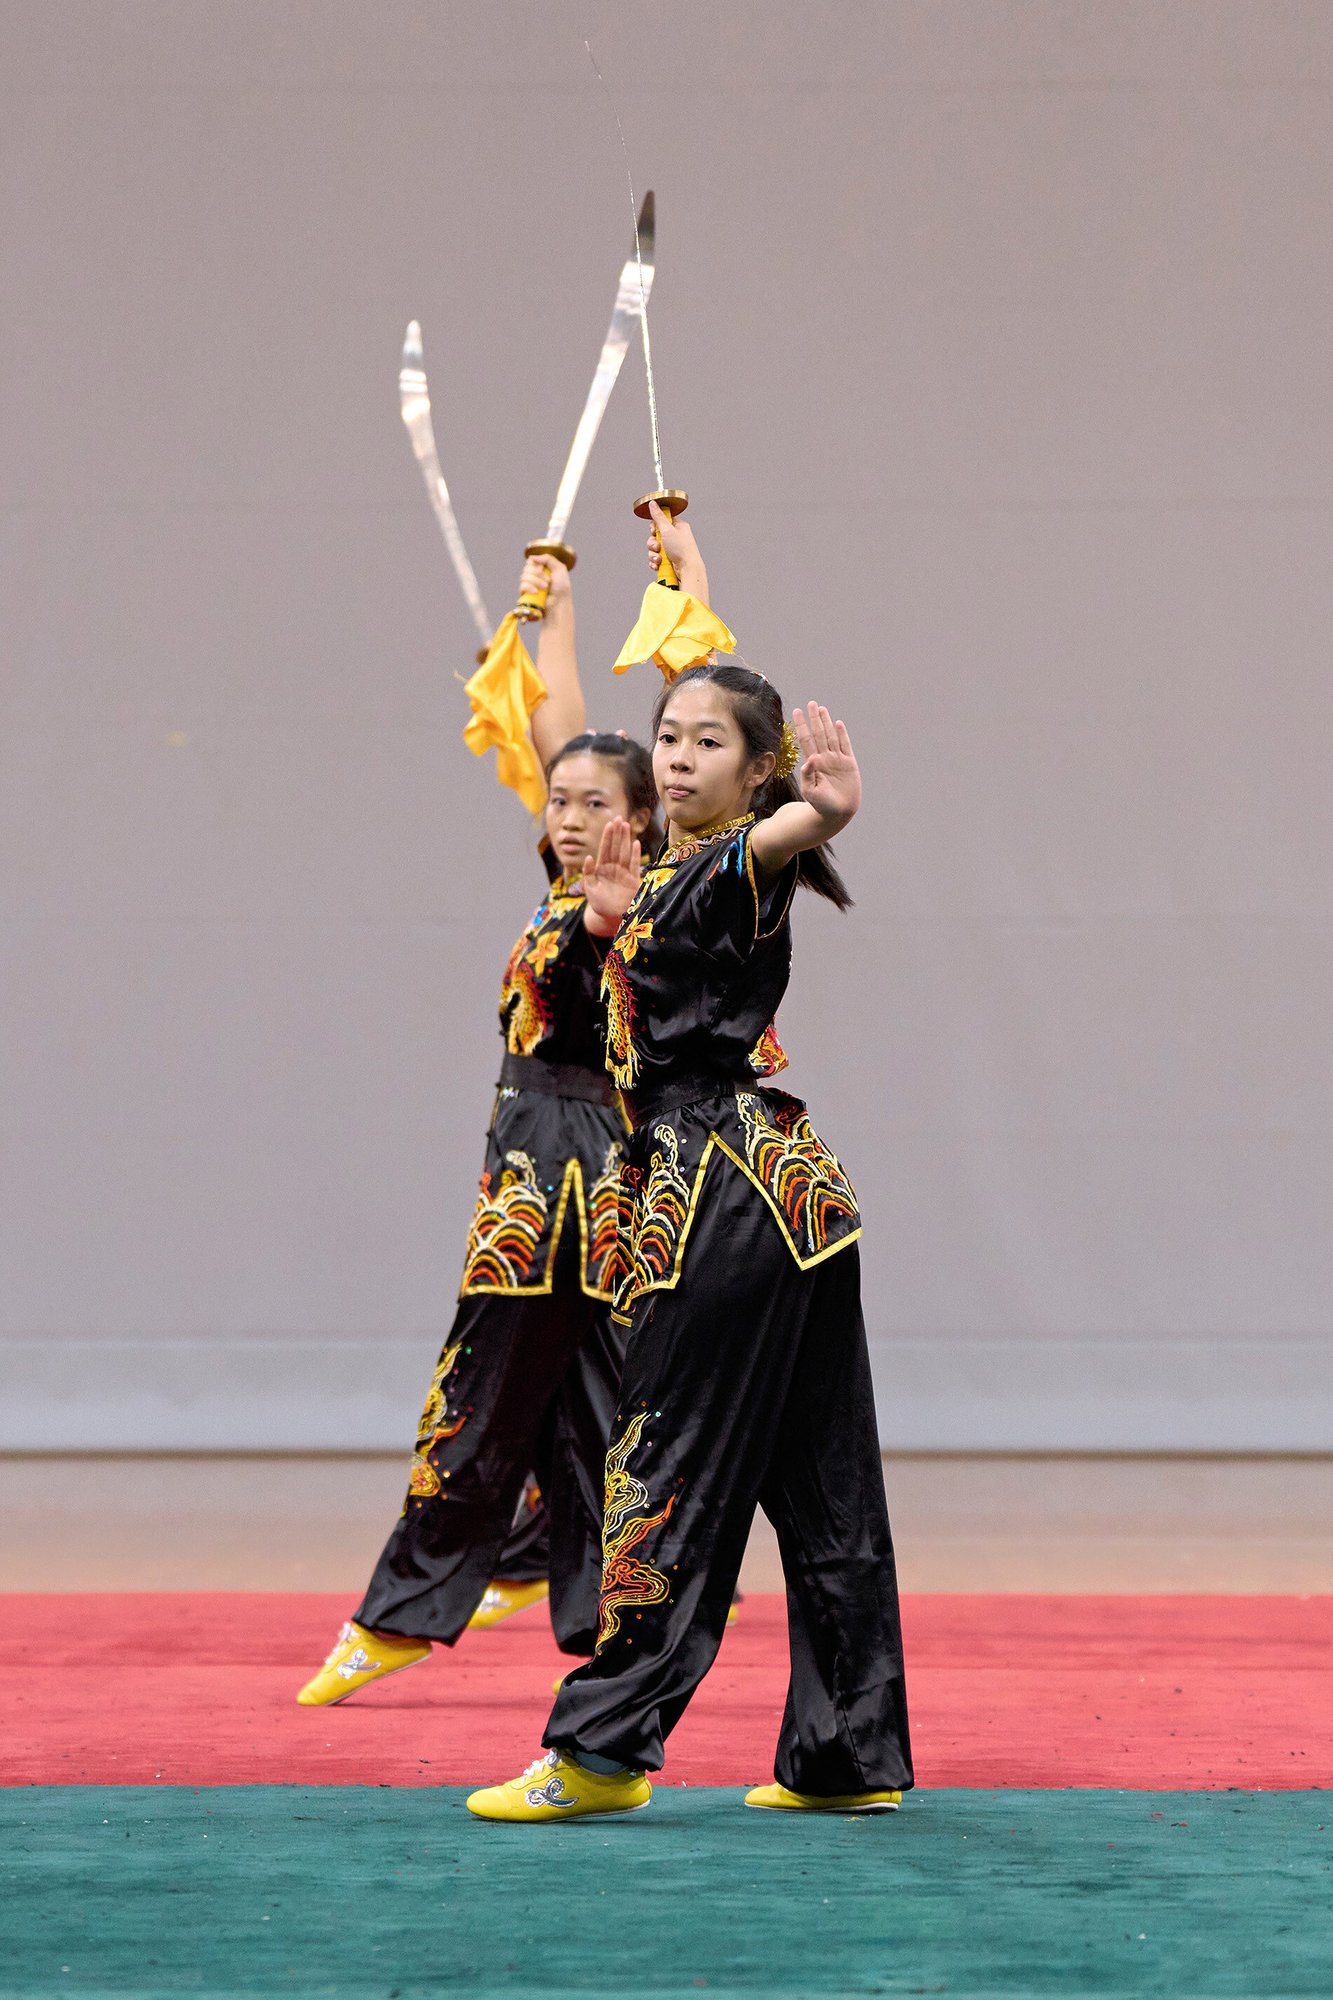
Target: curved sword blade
column 414, row 407
column 636, row 281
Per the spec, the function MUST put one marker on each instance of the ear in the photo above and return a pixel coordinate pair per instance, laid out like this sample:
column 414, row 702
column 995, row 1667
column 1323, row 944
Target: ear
column 638, row 821
column 760, row 771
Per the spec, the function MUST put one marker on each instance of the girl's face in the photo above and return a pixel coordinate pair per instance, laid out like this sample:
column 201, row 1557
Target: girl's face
column 586, row 791
column 705, row 775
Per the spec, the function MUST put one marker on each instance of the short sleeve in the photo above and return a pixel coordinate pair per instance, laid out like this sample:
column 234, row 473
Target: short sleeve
column 739, row 902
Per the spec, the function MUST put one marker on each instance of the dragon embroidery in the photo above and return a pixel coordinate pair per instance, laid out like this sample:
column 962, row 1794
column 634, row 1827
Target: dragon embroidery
column 525, row 1003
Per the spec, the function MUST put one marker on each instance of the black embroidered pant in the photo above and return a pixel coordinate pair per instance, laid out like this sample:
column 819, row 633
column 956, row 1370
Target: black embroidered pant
column 526, row 1554
column 534, row 1382
column 747, row 1385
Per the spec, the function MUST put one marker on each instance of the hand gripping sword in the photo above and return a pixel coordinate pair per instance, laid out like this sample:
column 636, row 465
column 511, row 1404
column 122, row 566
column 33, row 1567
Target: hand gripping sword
column 414, row 405
column 636, row 281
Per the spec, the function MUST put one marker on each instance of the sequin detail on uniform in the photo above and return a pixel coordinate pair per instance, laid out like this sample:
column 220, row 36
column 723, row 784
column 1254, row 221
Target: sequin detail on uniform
column 507, row 1227
column 789, row 1159
column 627, row 1583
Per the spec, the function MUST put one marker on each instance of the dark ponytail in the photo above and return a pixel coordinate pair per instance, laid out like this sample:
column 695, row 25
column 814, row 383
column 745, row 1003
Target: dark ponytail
column 757, row 707
column 634, row 768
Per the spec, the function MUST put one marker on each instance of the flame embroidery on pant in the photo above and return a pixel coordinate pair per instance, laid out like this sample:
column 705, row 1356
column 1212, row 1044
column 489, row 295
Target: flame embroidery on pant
column 621, row 1055
column 433, row 1409
column 423, row 1481
column 604, row 1219
column 788, row 1157
column 507, row 1227
column 626, row 1582
column 657, row 1216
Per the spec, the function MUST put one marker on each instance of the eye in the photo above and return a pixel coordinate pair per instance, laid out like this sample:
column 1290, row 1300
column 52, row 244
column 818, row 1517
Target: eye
column 709, row 743
column 666, row 736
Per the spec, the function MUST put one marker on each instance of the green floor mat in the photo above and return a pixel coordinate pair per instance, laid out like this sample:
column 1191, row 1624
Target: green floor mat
column 387, row 1895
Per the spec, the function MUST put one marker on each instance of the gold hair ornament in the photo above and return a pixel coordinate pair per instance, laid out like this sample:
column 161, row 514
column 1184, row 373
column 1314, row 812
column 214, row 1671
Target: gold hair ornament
column 789, row 755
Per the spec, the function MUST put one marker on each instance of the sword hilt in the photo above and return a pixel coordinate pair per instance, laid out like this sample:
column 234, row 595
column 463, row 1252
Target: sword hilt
column 672, row 501
column 532, row 603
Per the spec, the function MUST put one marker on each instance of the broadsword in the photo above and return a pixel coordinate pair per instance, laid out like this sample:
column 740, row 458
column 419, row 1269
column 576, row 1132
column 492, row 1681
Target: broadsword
column 414, row 406
column 630, row 310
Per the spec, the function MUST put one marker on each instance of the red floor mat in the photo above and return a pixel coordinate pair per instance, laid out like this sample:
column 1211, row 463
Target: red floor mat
column 1148, row 1693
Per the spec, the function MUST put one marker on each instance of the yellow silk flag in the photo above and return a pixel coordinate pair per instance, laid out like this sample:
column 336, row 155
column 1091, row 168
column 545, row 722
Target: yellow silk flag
column 674, row 631
column 504, row 691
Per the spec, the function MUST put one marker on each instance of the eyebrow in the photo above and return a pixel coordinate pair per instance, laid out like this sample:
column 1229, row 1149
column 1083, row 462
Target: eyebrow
column 675, row 724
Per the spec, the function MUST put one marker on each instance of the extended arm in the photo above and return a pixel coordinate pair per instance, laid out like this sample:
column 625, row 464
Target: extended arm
column 562, row 714
column 830, row 784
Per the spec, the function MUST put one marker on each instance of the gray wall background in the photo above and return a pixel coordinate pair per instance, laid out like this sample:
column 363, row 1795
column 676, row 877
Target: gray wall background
column 993, row 341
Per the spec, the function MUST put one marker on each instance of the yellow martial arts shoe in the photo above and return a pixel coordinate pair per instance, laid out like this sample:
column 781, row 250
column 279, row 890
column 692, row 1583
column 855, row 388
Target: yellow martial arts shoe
column 360, row 1656
column 555, row 1787
column 776, row 1798
column 502, row 1600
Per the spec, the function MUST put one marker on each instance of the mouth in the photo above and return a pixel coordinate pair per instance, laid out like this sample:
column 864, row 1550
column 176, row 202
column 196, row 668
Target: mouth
column 680, row 791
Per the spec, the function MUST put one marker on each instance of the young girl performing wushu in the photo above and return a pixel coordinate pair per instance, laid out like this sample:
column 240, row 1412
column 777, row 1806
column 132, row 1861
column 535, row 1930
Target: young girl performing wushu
column 746, row 1377
column 531, row 1365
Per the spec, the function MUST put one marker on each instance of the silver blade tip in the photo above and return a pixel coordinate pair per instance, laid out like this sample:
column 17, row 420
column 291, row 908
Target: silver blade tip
column 412, row 350
column 647, row 222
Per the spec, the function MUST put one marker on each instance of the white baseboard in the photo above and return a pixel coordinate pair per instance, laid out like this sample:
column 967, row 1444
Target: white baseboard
column 948, row 1393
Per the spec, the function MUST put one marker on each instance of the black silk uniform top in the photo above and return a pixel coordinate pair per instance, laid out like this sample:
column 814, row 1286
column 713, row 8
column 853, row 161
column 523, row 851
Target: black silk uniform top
column 691, row 983
column 546, row 1148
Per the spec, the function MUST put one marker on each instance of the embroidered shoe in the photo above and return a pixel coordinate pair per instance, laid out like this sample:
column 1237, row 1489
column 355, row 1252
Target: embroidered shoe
column 776, row 1798
column 502, row 1600
column 359, row 1656
column 555, row 1787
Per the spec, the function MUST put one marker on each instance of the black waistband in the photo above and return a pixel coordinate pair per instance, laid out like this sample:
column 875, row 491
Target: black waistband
column 687, row 1087
column 549, row 1079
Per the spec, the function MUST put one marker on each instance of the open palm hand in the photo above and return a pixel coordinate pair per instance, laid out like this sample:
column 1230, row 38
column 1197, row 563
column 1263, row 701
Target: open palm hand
column 611, row 878
column 830, row 778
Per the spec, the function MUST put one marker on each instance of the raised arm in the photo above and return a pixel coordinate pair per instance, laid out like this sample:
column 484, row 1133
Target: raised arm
column 830, row 783
column 562, row 714
column 677, row 538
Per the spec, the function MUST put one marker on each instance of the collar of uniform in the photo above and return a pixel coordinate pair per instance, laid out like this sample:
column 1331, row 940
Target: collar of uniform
column 707, row 838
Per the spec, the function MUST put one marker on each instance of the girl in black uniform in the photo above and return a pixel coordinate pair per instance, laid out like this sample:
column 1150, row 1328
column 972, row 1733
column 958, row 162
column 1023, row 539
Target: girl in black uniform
column 746, row 1378
column 530, row 1369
